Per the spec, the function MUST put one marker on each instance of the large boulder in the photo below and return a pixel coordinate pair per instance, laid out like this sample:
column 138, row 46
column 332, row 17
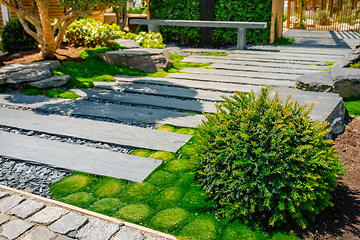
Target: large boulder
column 350, row 58
column 345, row 81
column 145, row 59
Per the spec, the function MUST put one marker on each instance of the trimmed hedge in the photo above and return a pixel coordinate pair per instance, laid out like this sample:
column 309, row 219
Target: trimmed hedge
column 225, row 10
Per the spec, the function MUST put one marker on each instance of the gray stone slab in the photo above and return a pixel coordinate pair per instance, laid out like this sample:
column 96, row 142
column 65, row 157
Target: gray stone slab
column 15, row 228
column 97, row 229
column 68, row 223
column 234, row 79
column 10, row 202
column 219, row 72
column 26, row 208
column 61, row 237
column 263, row 69
column 39, row 233
column 4, row 218
column 3, row 194
column 72, row 157
column 284, row 57
column 292, row 54
column 28, row 101
column 119, row 112
column 157, row 101
column 127, row 233
column 100, row 131
column 48, row 215
column 297, row 65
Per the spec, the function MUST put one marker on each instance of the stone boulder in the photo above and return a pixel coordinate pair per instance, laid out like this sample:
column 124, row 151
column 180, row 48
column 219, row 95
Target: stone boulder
column 350, row 58
column 345, row 81
column 129, row 44
column 52, row 82
column 145, row 59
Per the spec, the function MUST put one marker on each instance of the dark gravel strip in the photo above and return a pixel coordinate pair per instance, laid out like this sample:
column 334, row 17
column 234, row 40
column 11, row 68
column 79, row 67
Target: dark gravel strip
column 21, row 175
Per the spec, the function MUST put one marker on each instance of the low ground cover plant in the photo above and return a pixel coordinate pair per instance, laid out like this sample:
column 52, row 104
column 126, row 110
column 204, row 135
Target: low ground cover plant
column 352, row 105
column 283, row 41
column 261, row 157
column 53, row 93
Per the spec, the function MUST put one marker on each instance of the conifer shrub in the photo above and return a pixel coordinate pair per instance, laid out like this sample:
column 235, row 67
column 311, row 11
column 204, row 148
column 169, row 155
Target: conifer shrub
column 259, row 156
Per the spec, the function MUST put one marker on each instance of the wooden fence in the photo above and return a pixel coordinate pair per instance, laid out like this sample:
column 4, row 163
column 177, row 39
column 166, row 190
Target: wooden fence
column 331, row 15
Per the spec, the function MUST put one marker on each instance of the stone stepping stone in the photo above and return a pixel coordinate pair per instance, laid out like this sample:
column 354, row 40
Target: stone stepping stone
column 113, row 111
column 150, row 100
column 284, row 57
column 306, row 55
column 4, row 218
column 127, row 233
column 48, row 215
column 28, row 101
column 314, row 51
column 15, row 228
column 26, row 208
column 40, row 233
column 229, row 80
column 220, row 72
column 263, row 69
column 254, row 63
column 10, row 202
column 196, row 86
column 76, row 158
column 68, row 223
column 97, row 131
column 97, row 229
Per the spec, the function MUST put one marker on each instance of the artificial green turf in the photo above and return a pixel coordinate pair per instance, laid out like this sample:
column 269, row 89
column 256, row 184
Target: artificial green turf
column 283, row 41
column 215, row 54
column 136, row 213
column 80, row 199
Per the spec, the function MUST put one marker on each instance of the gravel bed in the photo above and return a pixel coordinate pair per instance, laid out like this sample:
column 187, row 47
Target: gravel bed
column 68, row 139
column 21, row 175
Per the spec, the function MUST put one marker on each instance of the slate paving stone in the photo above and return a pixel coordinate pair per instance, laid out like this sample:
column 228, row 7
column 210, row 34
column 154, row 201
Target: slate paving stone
column 97, row 229
column 61, row 237
column 68, row 223
column 26, row 208
column 3, row 218
column 127, row 233
column 10, row 202
column 15, row 228
column 39, row 233
column 48, row 215
column 3, row 194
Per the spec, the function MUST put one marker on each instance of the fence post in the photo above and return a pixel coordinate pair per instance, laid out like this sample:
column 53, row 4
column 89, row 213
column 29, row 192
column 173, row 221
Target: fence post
column 207, row 14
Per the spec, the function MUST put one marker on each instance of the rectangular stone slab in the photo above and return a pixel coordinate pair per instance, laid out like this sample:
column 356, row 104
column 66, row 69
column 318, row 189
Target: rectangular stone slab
column 114, row 111
column 253, row 63
column 93, row 130
column 283, row 54
column 263, row 69
column 76, row 158
column 157, row 101
column 220, row 72
column 284, row 57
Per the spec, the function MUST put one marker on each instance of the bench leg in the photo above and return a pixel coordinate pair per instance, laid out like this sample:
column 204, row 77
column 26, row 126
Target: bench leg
column 154, row 28
column 241, row 41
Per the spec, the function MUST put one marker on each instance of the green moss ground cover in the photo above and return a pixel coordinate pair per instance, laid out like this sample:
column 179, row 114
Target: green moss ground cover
column 283, row 41
column 352, row 105
column 53, row 93
column 216, row 54
column 169, row 200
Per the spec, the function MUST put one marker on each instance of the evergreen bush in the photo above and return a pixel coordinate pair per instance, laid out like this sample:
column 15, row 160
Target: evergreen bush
column 259, row 156
column 14, row 37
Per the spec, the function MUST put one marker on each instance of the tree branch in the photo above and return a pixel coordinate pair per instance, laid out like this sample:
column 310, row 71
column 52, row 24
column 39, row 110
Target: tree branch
column 27, row 29
column 60, row 35
column 69, row 14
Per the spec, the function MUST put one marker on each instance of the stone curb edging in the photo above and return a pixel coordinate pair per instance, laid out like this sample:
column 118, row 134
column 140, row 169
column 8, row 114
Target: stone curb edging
column 89, row 213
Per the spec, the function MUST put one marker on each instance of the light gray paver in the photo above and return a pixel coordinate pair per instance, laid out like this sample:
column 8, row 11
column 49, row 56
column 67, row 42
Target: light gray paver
column 72, row 156
column 220, row 72
column 128, row 234
column 61, row 237
column 100, row 131
column 3, row 194
column 15, row 228
column 97, row 229
column 68, row 223
column 26, row 208
column 283, row 58
column 48, row 215
column 39, row 233
column 10, row 202
column 3, row 218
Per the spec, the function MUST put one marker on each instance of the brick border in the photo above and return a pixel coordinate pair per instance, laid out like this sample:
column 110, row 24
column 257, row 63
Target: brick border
column 90, row 213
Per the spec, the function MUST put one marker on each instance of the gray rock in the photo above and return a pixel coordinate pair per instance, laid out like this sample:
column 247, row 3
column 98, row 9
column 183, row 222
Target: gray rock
column 40, row 233
column 10, row 202
column 346, row 81
column 3, row 194
column 61, row 237
column 318, row 82
column 52, row 82
column 127, row 43
column 3, row 218
column 28, row 75
column 97, row 229
column 68, row 223
column 129, row 233
column 350, row 58
column 145, row 59
column 48, row 215
column 26, row 208
column 14, row 229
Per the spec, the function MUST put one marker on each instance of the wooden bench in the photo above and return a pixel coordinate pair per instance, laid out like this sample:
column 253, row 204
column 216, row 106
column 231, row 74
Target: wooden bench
column 153, row 25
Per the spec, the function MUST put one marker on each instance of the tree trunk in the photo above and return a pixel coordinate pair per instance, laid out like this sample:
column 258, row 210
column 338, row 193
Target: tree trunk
column 49, row 46
column 124, row 11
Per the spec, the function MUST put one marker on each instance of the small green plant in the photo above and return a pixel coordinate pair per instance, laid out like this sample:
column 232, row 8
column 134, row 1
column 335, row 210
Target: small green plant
column 215, row 54
column 59, row 93
column 262, row 156
column 283, row 41
column 14, row 38
column 329, row 64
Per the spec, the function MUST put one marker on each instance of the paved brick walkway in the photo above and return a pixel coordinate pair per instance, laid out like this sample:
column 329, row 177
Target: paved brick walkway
column 29, row 217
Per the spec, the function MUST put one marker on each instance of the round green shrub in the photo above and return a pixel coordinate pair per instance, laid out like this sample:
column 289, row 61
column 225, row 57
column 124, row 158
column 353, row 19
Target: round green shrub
column 262, row 156
column 14, row 37
column 79, row 199
column 169, row 219
column 135, row 213
column 107, row 206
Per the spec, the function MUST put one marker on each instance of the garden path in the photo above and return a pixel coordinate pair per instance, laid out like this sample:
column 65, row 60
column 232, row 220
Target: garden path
column 147, row 101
